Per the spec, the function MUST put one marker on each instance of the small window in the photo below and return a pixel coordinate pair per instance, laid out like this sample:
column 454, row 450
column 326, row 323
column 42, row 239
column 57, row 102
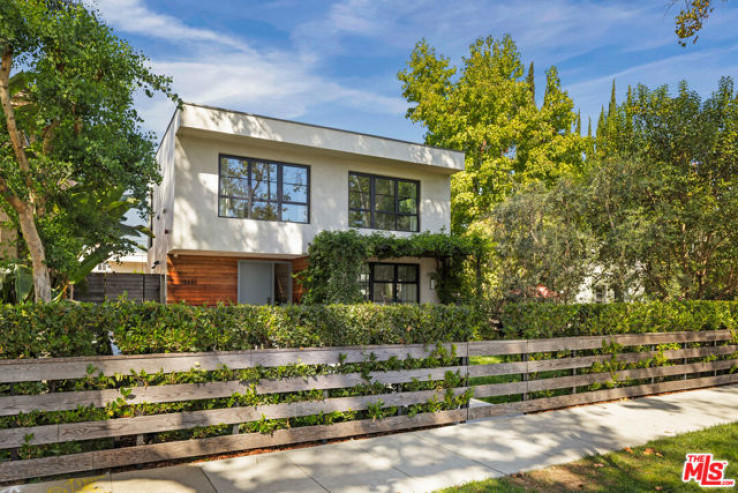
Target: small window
column 599, row 294
column 383, row 203
column 258, row 189
column 390, row 283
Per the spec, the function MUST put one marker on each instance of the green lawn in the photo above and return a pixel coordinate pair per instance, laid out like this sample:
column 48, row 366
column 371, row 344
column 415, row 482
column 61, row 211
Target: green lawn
column 656, row 466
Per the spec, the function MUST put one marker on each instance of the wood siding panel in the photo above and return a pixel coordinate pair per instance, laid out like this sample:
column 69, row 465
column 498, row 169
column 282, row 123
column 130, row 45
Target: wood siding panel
column 202, row 280
column 208, row 280
column 298, row 265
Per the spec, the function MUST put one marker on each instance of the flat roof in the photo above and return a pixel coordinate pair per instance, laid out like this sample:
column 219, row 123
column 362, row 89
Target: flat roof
column 221, row 120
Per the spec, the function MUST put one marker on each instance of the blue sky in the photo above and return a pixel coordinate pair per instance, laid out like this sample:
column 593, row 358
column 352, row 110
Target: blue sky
column 334, row 63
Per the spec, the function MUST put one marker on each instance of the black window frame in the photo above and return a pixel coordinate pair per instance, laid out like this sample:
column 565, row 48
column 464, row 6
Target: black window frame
column 372, row 202
column 395, row 281
column 251, row 161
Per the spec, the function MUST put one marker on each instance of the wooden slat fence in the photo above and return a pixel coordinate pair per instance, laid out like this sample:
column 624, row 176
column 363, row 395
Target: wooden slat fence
column 101, row 287
column 526, row 376
column 630, row 363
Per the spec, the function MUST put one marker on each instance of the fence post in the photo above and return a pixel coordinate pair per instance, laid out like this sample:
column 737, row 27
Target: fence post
column 574, row 371
column 684, row 361
column 525, row 375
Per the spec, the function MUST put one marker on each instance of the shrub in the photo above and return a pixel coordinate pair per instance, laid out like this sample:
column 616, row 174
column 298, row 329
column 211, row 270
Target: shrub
column 79, row 330
column 65, row 329
column 536, row 320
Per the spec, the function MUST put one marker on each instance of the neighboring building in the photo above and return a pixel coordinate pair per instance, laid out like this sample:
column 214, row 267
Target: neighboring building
column 243, row 195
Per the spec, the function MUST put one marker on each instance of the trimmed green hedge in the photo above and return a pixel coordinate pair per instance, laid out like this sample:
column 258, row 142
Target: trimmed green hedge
column 29, row 331
column 77, row 330
column 540, row 320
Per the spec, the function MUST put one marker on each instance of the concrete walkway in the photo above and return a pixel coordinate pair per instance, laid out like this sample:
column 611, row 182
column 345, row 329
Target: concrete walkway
column 428, row 460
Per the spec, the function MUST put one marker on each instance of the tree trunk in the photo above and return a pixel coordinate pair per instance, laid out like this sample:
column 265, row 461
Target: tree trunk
column 25, row 208
column 41, row 277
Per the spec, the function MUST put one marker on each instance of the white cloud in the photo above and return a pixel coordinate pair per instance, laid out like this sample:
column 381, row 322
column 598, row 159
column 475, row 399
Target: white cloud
column 590, row 41
column 222, row 70
column 132, row 16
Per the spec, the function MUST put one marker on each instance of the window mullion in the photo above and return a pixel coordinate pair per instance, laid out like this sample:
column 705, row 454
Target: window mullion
column 396, row 186
column 250, row 198
column 372, row 199
column 279, row 191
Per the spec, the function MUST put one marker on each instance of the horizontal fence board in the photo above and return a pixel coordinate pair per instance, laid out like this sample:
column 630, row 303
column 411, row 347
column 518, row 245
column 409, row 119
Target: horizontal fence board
column 491, row 348
column 63, row 401
column 12, row 371
column 104, row 459
column 74, row 368
column 494, row 348
column 535, row 366
column 492, row 390
column 498, row 369
column 89, row 430
column 598, row 396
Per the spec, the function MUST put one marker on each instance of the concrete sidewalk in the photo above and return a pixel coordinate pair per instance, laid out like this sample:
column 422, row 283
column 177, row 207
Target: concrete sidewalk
column 428, row 460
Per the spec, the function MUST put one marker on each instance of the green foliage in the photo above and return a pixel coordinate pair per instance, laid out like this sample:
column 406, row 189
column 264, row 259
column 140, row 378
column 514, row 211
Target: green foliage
column 536, row 320
column 542, row 241
column 34, row 331
column 486, row 107
column 16, row 283
column 336, row 259
column 76, row 136
column 664, row 205
column 690, row 19
column 654, row 216
column 67, row 329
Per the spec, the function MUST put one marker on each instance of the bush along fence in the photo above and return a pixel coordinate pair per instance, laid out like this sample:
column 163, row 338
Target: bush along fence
column 63, row 415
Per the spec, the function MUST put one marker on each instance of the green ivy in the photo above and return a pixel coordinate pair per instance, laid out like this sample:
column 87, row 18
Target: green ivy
column 336, row 259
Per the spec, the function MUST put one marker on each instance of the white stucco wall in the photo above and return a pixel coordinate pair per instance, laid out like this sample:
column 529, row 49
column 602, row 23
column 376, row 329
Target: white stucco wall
column 163, row 199
column 196, row 225
column 272, row 130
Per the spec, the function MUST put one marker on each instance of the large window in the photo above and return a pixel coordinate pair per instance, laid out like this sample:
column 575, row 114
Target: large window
column 383, row 203
column 383, row 282
column 259, row 189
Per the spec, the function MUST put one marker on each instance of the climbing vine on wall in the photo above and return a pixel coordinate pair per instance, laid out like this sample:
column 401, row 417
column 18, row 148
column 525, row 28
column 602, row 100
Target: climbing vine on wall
column 336, row 259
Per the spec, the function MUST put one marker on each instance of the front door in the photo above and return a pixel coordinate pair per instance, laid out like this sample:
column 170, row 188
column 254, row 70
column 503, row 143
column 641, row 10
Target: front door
column 255, row 283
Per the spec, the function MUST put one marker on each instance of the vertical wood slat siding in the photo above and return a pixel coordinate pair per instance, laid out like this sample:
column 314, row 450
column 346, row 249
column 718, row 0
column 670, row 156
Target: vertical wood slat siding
column 298, row 265
column 208, row 280
column 111, row 286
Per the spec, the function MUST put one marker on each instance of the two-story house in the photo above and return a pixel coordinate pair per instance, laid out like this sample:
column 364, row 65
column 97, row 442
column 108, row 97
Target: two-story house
column 243, row 195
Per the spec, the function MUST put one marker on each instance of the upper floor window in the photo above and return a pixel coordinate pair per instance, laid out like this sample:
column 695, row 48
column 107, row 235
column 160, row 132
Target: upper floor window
column 383, row 203
column 259, row 189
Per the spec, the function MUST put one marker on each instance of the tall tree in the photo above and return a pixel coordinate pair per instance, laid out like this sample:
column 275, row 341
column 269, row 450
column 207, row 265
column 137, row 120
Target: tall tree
column 69, row 132
column 531, row 80
column 485, row 109
column 543, row 243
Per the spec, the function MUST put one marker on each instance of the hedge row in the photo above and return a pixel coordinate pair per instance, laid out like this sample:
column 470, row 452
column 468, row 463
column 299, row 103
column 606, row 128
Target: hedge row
column 540, row 320
column 29, row 331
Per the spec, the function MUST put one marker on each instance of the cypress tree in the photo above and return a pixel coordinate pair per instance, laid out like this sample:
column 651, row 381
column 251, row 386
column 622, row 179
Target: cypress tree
column 601, row 136
column 531, row 80
column 612, row 109
column 578, row 129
